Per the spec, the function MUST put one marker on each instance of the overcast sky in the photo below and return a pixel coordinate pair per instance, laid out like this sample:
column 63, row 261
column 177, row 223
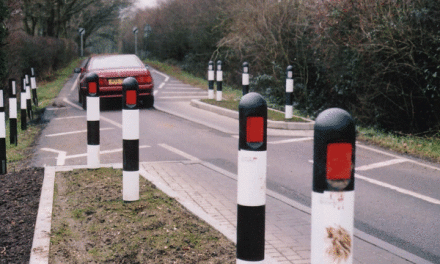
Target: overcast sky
column 145, row 3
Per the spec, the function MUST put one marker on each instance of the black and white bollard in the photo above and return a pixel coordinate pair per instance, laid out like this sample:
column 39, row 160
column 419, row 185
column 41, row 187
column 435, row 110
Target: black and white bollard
column 211, row 80
column 251, row 183
column 23, row 105
column 130, row 139
column 93, row 116
column 289, row 93
column 28, row 98
column 2, row 134
column 333, row 188
column 13, row 138
column 34, row 87
column 245, row 78
column 219, row 81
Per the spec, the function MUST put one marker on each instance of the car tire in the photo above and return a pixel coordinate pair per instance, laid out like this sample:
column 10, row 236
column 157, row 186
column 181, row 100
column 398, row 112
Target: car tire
column 148, row 101
column 84, row 101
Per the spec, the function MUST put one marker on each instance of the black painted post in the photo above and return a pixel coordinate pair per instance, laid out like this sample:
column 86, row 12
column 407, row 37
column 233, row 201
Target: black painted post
column 211, row 80
column 130, row 139
column 289, row 93
column 13, row 138
column 219, row 80
column 333, row 188
column 93, row 116
column 245, row 78
column 251, row 183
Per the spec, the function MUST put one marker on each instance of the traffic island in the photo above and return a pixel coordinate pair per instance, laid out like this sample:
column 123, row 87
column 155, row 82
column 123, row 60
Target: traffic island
column 274, row 120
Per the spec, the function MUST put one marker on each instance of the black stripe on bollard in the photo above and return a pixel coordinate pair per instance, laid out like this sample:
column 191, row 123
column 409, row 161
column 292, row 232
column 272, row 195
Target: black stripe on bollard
column 245, row 78
column 211, row 80
column 251, row 181
column 130, row 155
column 13, row 112
column 130, row 139
column 251, row 223
column 333, row 187
column 93, row 117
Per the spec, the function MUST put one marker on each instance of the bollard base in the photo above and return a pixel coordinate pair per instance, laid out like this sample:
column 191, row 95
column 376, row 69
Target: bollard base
column 93, row 156
column 130, row 185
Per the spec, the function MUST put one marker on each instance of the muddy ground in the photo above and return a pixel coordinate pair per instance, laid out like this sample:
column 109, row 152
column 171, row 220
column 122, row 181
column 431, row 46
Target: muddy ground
column 19, row 198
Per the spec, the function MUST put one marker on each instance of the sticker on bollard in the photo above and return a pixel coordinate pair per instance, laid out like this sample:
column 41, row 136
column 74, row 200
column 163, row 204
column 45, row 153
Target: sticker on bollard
column 251, row 182
column 93, row 117
column 333, row 188
column 130, row 139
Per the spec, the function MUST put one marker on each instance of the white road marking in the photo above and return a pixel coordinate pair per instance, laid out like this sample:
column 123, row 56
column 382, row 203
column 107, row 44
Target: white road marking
column 161, row 85
column 70, row 117
column 397, row 189
column 110, row 121
column 75, row 132
column 72, row 104
column 183, row 92
column 61, row 158
column 163, row 74
column 397, row 157
column 172, row 88
column 380, row 164
column 183, row 97
column 291, row 140
column 75, row 83
column 179, row 152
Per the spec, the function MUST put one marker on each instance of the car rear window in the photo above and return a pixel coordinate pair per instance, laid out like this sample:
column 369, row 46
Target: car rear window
column 115, row 62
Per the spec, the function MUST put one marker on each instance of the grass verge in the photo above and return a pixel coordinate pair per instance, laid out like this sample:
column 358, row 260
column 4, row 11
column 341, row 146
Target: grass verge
column 422, row 147
column 91, row 224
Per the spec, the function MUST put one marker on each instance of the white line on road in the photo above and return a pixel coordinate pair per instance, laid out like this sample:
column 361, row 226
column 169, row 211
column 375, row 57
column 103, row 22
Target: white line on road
column 103, row 152
column 61, row 155
column 183, row 97
column 75, row 83
column 76, row 132
column 161, row 85
column 163, row 74
column 72, row 104
column 179, row 152
column 111, row 121
column 290, row 140
column 184, row 92
column 380, row 164
column 397, row 189
column 397, row 157
column 69, row 117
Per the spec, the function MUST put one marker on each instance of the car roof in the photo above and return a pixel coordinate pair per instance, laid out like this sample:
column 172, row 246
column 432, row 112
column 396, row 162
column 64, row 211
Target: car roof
column 115, row 62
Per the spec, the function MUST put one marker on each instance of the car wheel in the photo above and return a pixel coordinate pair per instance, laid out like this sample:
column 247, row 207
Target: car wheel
column 148, row 101
column 79, row 96
column 83, row 101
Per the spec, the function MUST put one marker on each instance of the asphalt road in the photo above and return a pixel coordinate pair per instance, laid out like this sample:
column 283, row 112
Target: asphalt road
column 397, row 198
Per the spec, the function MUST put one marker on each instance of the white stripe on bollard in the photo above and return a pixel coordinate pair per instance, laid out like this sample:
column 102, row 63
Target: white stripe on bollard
column 130, row 185
column 251, row 184
column 130, row 124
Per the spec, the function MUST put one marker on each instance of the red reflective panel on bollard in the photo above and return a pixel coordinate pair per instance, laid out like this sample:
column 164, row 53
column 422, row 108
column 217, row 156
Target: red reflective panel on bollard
column 130, row 97
column 254, row 129
column 92, row 88
column 339, row 157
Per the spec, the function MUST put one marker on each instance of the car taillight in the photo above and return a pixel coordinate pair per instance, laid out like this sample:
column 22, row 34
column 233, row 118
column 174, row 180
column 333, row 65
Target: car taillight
column 144, row 79
column 103, row 82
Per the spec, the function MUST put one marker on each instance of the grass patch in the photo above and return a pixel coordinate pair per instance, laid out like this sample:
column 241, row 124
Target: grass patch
column 423, row 147
column 104, row 229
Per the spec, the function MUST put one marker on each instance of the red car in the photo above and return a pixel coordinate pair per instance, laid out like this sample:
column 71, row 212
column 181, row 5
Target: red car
column 112, row 70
